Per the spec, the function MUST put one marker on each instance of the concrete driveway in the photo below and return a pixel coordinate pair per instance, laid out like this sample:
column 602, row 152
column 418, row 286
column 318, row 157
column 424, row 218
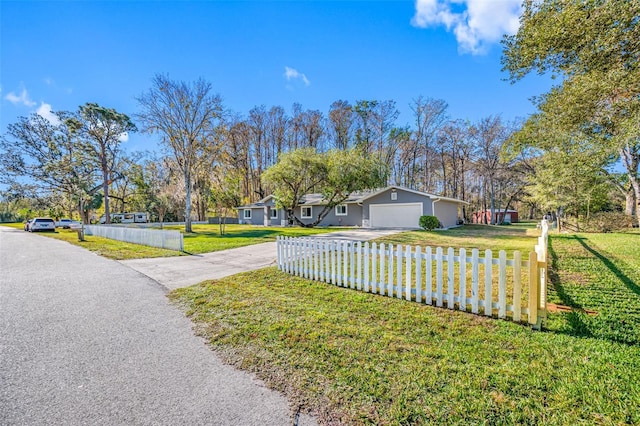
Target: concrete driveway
column 176, row 272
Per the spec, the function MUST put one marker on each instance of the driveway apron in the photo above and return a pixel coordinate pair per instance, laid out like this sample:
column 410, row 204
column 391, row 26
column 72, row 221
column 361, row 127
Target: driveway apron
column 85, row 340
column 176, row 272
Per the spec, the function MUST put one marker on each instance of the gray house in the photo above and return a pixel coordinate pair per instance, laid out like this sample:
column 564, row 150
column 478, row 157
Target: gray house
column 390, row 207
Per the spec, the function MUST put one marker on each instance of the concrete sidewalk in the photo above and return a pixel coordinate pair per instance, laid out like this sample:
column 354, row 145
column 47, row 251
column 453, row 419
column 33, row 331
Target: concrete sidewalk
column 176, row 272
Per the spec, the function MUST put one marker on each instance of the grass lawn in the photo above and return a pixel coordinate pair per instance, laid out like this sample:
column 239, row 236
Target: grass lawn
column 204, row 239
column 520, row 236
column 111, row 249
column 358, row 358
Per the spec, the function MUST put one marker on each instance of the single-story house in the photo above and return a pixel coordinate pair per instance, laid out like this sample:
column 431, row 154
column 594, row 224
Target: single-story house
column 390, row 207
column 502, row 215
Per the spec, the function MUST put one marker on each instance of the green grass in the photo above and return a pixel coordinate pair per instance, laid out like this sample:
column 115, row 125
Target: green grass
column 206, row 238
column 203, row 239
column 601, row 273
column 111, row 249
column 520, row 237
column 358, row 358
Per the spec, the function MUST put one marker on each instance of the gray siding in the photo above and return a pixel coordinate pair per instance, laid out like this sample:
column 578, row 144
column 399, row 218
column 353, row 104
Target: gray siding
column 447, row 213
column 257, row 216
column 278, row 220
column 403, row 197
column 353, row 217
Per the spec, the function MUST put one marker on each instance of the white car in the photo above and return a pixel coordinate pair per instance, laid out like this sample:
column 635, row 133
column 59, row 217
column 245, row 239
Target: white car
column 42, row 224
column 67, row 224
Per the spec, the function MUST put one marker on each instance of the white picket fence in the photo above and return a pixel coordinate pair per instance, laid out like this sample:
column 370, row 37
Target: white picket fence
column 172, row 240
column 487, row 285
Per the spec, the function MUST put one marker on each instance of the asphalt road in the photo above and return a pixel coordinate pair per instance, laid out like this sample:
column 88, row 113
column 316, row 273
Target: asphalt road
column 86, row 341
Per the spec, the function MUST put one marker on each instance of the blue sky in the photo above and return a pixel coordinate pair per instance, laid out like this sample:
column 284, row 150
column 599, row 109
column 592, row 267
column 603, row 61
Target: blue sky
column 59, row 55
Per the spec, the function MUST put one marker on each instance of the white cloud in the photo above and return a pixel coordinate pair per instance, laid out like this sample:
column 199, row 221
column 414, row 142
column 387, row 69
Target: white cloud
column 124, row 137
column 22, row 98
column 44, row 111
column 294, row 74
column 475, row 23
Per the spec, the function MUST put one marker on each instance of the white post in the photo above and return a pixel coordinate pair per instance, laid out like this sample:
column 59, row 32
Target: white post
column 407, row 273
column 352, row 265
column 374, row 263
column 451, row 288
column 474, row 280
column 488, row 270
column 339, row 262
column 390, row 272
column 345, row 263
column 399, row 271
column 305, row 257
column 333, row 262
column 367, row 253
column 517, row 286
column 359, row 276
column 463, row 280
column 418, row 274
column 428, row 285
column 327, row 261
column 316, row 260
column 502, row 285
column 439, row 295
column 382, row 268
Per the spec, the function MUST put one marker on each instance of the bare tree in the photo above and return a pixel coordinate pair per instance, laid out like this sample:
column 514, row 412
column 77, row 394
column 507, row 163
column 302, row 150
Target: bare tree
column 490, row 135
column 430, row 115
column 341, row 120
column 186, row 115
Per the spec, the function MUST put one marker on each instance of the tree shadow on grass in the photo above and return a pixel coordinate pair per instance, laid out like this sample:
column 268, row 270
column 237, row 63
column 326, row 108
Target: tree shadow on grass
column 576, row 318
column 624, row 278
column 610, row 323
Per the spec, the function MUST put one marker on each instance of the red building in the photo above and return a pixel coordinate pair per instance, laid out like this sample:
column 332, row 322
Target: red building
column 484, row 216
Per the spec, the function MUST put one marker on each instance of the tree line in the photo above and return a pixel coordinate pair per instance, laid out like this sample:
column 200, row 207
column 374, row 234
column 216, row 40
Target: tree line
column 213, row 160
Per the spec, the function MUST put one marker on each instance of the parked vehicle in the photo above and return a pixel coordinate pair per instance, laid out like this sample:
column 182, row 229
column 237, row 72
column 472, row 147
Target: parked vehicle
column 135, row 217
column 27, row 224
column 67, row 224
column 42, row 224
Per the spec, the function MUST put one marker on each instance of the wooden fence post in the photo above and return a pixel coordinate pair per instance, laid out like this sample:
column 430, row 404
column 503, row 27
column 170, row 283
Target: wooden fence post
column 533, row 288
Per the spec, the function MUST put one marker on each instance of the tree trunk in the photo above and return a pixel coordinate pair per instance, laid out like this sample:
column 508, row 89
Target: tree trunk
column 630, row 202
column 630, row 160
column 187, row 207
column 636, row 190
column 105, row 189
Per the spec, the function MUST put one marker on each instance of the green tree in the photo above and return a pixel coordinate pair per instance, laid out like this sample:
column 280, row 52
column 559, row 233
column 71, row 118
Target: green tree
column 101, row 131
column 335, row 174
column 593, row 46
column 41, row 158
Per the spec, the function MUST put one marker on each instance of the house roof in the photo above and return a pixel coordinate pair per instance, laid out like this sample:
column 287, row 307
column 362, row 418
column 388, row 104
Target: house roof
column 353, row 198
column 257, row 204
column 402, row 188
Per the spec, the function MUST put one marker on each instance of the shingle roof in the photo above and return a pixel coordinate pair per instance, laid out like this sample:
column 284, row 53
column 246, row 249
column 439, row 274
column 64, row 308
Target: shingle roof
column 355, row 197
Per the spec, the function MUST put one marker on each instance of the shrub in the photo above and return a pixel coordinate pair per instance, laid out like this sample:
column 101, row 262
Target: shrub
column 608, row 222
column 429, row 223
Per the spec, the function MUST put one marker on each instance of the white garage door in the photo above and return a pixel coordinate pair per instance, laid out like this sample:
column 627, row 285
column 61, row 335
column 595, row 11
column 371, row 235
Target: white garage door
column 401, row 215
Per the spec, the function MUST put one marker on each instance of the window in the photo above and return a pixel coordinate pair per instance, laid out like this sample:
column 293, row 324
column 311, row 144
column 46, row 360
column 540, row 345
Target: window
column 394, row 196
column 341, row 210
column 306, row 213
column 274, row 214
column 247, row 214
